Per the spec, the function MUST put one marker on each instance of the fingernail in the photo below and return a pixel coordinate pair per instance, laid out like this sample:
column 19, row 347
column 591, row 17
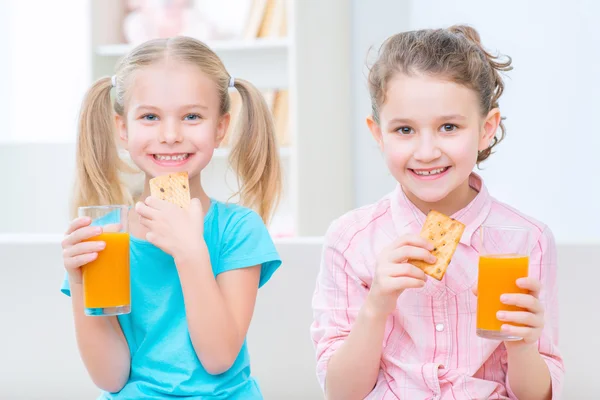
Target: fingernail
column 505, row 328
column 500, row 315
column 521, row 281
column 504, row 298
column 98, row 230
column 102, row 245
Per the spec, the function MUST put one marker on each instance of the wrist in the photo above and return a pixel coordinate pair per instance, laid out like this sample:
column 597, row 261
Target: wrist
column 191, row 254
column 373, row 310
column 520, row 347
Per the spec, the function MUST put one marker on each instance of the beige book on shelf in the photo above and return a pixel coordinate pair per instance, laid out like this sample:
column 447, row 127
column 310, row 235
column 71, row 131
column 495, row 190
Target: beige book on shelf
column 269, row 96
column 281, row 117
column 274, row 21
column 255, row 19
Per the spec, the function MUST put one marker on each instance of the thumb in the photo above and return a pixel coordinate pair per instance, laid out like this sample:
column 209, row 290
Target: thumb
column 196, row 205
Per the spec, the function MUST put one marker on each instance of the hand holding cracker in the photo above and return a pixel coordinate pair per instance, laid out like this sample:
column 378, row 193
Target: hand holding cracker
column 394, row 274
column 175, row 223
column 174, row 188
column 444, row 234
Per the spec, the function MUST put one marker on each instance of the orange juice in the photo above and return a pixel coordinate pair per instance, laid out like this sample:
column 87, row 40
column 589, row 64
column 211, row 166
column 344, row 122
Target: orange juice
column 106, row 281
column 498, row 275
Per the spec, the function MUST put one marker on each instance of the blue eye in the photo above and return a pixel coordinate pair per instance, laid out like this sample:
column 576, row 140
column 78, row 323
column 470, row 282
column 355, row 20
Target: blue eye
column 405, row 130
column 193, row 117
column 150, row 117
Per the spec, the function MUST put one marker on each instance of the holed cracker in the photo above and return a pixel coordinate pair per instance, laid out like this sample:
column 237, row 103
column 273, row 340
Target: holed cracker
column 444, row 233
column 174, row 188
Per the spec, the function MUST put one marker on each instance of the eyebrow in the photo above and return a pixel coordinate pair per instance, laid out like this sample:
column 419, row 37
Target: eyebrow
column 450, row 117
column 154, row 108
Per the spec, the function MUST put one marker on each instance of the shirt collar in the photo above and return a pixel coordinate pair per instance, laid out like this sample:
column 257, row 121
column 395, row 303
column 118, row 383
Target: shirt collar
column 407, row 216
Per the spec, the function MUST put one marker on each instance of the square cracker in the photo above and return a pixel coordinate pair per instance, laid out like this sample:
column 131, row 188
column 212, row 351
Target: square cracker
column 445, row 233
column 174, row 188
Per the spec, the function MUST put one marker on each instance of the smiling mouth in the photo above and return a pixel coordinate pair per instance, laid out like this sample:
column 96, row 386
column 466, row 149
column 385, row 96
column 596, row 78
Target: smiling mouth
column 429, row 172
column 171, row 157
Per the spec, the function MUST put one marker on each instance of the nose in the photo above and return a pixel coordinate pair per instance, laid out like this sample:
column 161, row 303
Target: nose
column 170, row 133
column 427, row 148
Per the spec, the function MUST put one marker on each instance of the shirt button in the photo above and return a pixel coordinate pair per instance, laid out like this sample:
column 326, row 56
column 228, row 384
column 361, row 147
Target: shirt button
column 439, row 327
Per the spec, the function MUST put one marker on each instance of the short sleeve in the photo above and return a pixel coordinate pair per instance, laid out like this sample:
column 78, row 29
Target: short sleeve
column 65, row 288
column 246, row 242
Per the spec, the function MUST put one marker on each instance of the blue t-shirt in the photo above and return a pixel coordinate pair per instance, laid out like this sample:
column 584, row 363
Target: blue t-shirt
column 163, row 362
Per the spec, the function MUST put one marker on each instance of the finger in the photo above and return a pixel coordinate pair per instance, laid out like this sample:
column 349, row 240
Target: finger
column 525, row 301
column 411, row 253
column 520, row 317
column 83, row 248
column 145, row 211
column 80, row 235
column 78, row 223
column 520, row 331
column 533, row 285
column 80, row 260
column 146, row 222
column 474, row 290
column 405, row 270
column 158, row 204
column 412, row 240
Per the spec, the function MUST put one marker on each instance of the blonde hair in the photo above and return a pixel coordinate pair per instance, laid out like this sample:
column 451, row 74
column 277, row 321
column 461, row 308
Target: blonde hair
column 455, row 53
column 254, row 155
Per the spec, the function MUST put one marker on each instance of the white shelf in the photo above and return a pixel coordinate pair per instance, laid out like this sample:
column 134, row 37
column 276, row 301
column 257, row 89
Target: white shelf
column 264, row 62
column 256, row 46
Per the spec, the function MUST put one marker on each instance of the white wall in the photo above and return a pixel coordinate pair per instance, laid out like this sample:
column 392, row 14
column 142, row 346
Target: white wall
column 551, row 98
column 47, row 59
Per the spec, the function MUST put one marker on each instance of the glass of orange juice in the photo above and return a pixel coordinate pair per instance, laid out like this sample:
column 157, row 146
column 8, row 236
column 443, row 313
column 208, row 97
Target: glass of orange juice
column 503, row 258
column 106, row 280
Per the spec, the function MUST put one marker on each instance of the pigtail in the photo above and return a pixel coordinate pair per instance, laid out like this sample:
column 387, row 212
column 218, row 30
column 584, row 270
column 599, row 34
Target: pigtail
column 254, row 155
column 98, row 163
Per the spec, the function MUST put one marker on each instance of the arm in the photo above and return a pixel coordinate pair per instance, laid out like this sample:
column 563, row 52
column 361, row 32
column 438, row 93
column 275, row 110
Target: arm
column 536, row 370
column 350, row 319
column 218, row 331
column 353, row 369
column 102, row 345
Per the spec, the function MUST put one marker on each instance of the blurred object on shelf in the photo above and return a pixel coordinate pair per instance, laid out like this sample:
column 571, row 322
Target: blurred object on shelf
column 278, row 103
column 227, row 17
column 151, row 19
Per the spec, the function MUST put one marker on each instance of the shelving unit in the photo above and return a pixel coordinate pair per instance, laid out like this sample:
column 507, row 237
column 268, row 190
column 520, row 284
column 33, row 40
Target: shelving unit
column 311, row 63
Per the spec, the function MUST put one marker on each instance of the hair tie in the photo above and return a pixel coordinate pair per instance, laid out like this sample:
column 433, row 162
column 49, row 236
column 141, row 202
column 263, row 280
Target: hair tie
column 231, row 82
column 113, row 80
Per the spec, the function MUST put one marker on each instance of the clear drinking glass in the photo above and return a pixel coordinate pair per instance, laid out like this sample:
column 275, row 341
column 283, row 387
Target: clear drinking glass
column 106, row 280
column 503, row 258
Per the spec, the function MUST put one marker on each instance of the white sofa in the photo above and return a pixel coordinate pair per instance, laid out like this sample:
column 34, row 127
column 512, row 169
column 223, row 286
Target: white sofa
column 39, row 360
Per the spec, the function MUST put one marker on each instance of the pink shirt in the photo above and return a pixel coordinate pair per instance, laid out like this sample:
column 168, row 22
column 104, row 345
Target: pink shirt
column 430, row 349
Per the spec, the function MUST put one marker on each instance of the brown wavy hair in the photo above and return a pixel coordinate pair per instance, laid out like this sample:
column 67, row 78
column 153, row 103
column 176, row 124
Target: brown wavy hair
column 254, row 155
column 455, row 53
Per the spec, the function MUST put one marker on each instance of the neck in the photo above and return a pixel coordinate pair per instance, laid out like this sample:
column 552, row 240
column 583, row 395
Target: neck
column 458, row 199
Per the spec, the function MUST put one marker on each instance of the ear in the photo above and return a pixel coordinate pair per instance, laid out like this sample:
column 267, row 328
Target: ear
column 490, row 126
column 375, row 131
column 222, row 127
column 121, row 127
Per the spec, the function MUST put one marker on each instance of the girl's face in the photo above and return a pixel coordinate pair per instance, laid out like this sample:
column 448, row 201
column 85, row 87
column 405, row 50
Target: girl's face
column 430, row 132
column 172, row 121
